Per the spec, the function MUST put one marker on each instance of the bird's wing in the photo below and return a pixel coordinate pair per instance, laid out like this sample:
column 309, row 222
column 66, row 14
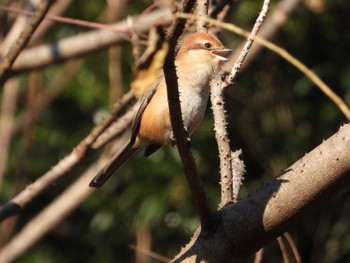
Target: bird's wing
column 137, row 120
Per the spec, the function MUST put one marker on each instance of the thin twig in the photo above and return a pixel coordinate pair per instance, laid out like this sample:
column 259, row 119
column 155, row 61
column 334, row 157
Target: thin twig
column 11, row 55
column 292, row 245
column 249, row 43
column 7, row 117
column 278, row 17
column 47, row 219
column 114, row 9
column 220, row 11
column 283, row 249
column 33, row 91
column 67, row 20
column 259, row 256
column 202, row 11
column 14, row 32
column 229, row 185
column 220, row 6
column 78, row 45
column 22, row 199
column 201, row 202
column 288, row 57
column 58, row 7
column 149, row 253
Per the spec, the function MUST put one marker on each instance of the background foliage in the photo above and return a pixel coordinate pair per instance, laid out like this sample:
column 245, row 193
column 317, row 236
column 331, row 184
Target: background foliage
column 275, row 115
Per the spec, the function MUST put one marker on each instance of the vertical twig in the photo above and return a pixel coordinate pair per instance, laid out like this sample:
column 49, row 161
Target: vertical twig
column 283, row 250
column 114, row 10
column 259, row 256
column 219, row 12
column 292, row 245
column 201, row 202
column 7, row 111
column 229, row 185
column 221, row 135
column 202, row 11
column 34, row 90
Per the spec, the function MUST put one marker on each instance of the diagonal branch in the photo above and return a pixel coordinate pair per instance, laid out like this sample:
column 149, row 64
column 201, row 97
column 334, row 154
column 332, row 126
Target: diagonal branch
column 8, row 60
column 51, row 215
column 237, row 67
column 22, row 199
column 74, row 46
column 278, row 205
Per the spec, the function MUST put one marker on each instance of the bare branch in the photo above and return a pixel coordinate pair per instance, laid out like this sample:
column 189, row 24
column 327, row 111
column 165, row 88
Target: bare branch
column 57, row 8
column 283, row 249
column 259, row 256
column 22, row 199
column 7, row 116
column 193, row 179
column 221, row 136
column 294, row 61
column 49, row 217
column 276, row 206
column 235, row 70
column 8, row 60
column 149, row 253
column 38, row 57
column 238, row 170
column 278, row 17
column 228, row 182
column 294, row 248
column 202, row 11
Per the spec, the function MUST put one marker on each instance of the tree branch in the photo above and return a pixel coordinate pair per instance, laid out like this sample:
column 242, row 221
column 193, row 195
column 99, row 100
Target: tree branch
column 200, row 198
column 202, row 11
column 229, row 185
column 10, row 57
column 276, row 206
column 70, row 47
column 22, row 199
column 47, row 219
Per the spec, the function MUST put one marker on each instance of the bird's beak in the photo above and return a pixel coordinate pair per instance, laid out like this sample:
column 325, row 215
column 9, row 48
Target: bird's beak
column 221, row 53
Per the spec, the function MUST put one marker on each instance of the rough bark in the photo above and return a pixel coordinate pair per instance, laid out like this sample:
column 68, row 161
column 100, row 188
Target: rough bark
column 276, row 206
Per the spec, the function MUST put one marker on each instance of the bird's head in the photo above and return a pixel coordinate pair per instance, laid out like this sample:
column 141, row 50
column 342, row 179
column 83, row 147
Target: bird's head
column 203, row 47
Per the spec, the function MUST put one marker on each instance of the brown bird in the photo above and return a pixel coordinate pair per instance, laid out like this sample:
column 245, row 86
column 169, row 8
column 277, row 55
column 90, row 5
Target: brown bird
column 198, row 59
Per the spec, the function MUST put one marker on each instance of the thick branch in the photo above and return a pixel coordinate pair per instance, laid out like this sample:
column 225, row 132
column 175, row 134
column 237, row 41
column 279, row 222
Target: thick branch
column 70, row 47
column 276, row 206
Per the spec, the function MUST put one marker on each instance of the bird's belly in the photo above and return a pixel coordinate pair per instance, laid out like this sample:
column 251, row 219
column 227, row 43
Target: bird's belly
column 193, row 106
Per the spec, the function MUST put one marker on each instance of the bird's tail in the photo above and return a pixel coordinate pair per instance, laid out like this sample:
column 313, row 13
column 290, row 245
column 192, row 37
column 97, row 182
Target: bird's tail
column 109, row 169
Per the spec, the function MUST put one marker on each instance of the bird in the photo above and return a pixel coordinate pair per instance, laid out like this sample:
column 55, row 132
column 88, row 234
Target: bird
column 197, row 61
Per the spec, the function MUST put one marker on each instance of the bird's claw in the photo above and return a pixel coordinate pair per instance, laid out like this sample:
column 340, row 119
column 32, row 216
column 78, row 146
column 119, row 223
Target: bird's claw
column 173, row 139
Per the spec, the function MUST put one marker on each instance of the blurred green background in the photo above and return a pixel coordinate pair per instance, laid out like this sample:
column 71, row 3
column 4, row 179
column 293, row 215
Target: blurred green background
column 275, row 116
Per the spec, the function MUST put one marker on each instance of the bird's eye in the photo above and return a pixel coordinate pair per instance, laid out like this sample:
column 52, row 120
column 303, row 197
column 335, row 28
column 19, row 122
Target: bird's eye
column 207, row 45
